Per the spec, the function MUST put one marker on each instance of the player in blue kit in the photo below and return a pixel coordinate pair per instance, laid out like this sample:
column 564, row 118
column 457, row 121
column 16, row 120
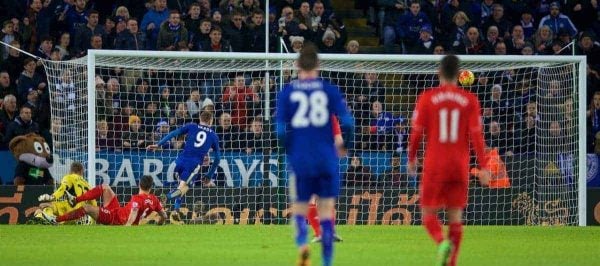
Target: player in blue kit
column 200, row 138
column 304, row 108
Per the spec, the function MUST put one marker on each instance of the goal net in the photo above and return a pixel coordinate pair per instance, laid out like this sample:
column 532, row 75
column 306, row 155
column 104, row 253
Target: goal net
column 108, row 107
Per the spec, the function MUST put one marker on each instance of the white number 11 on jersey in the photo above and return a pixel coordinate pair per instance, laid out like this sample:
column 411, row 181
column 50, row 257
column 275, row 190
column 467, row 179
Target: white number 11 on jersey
column 454, row 116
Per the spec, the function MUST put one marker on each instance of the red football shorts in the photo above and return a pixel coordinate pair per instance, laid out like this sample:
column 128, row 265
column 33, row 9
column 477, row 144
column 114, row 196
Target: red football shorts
column 440, row 193
column 109, row 214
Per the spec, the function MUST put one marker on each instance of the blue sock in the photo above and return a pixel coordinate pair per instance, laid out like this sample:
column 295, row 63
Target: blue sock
column 174, row 194
column 327, row 241
column 177, row 204
column 301, row 230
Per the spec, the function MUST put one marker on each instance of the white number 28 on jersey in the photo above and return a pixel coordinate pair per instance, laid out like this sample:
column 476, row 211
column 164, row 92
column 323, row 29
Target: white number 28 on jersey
column 312, row 110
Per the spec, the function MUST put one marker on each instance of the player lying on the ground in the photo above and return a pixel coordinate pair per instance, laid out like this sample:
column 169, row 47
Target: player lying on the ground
column 304, row 108
column 73, row 184
column 449, row 117
column 313, row 215
column 111, row 213
column 199, row 140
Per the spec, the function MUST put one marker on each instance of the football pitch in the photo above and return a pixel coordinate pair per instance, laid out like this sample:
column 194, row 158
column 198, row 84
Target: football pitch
column 273, row 245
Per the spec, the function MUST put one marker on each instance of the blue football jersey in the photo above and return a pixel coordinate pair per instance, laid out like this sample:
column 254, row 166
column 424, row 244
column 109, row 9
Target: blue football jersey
column 305, row 108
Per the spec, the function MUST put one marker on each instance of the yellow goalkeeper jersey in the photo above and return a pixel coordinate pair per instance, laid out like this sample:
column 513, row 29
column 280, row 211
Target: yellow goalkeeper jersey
column 75, row 185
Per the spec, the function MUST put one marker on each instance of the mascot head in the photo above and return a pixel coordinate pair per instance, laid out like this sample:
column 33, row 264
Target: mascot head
column 31, row 149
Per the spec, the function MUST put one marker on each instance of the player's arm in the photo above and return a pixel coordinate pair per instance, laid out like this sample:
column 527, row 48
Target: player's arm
column 165, row 139
column 162, row 217
column 337, row 136
column 416, row 135
column 346, row 119
column 477, row 140
column 65, row 184
column 132, row 215
column 280, row 118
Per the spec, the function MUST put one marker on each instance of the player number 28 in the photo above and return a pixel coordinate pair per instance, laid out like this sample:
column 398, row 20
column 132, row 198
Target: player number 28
column 454, row 116
column 312, row 110
column 200, row 139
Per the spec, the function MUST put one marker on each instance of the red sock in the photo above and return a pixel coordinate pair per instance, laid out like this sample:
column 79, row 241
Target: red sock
column 74, row 215
column 313, row 219
column 91, row 194
column 455, row 235
column 434, row 227
column 333, row 216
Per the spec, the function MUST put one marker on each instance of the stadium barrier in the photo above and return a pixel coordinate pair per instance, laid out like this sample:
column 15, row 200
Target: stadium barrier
column 268, row 205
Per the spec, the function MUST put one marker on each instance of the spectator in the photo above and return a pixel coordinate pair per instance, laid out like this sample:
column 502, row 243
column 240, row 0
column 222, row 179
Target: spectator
column 139, row 96
column 472, row 44
column 235, row 31
column 487, row 9
column 527, row 24
column 113, row 95
column 8, row 112
column 64, row 46
column 33, row 103
column 543, row 40
column 105, row 139
column 491, row 39
column 498, row 20
column 439, row 50
column 526, row 141
column 329, row 45
column 591, row 49
column 583, row 12
column 410, row 24
column 353, row 47
column 84, row 34
column 120, row 27
column 192, row 19
column 392, row 11
column 120, row 121
column 287, row 25
column 29, row 79
column 57, row 128
column 593, row 123
column 77, row 17
column 21, row 125
column 162, row 129
column 194, row 103
column 304, row 16
column 394, row 177
column 201, row 35
column 239, row 99
column 217, row 18
column 256, row 32
column 501, row 107
column 216, row 42
column 246, row 7
column 166, row 102
column 517, row 41
column 151, row 116
column 180, row 116
column 496, row 137
column 134, row 138
column 7, row 35
column 367, row 90
column 500, row 48
column 450, row 8
column 95, row 42
column 297, row 43
column 6, row 87
column 152, row 21
column 458, row 34
column 255, row 139
column 172, row 32
column 557, row 21
column 14, row 64
column 123, row 12
column 132, row 38
column 205, row 8
column 45, row 48
column 425, row 43
column 357, row 175
column 110, row 34
column 228, row 133
column 381, row 128
column 527, row 49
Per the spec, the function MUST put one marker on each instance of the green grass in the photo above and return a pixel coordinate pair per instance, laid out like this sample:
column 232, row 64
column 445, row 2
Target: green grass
column 273, row 245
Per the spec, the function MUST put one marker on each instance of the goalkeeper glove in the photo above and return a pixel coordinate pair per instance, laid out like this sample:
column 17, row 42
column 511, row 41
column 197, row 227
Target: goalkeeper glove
column 45, row 197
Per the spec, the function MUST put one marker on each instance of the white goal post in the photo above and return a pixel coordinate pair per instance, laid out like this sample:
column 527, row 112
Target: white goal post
column 535, row 114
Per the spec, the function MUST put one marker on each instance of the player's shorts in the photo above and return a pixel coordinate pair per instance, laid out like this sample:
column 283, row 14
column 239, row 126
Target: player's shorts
column 321, row 178
column 109, row 214
column 444, row 194
column 185, row 169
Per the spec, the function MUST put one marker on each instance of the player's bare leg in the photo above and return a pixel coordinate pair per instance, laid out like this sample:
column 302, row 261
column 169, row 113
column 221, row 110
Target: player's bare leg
column 326, row 207
column 300, row 209
column 455, row 232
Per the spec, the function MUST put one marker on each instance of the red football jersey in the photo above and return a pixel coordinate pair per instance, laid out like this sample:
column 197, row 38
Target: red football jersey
column 145, row 203
column 450, row 119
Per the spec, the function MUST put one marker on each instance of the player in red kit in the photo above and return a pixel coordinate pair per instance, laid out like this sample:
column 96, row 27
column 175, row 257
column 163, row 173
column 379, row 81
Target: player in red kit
column 313, row 215
column 450, row 119
column 111, row 213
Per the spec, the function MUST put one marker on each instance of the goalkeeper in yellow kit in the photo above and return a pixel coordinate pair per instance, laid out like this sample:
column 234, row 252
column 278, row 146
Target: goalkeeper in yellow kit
column 73, row 184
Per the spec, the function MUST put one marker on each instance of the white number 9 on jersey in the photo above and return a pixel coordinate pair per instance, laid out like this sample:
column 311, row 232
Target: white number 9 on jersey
column 200, row 139
column 312, row 110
